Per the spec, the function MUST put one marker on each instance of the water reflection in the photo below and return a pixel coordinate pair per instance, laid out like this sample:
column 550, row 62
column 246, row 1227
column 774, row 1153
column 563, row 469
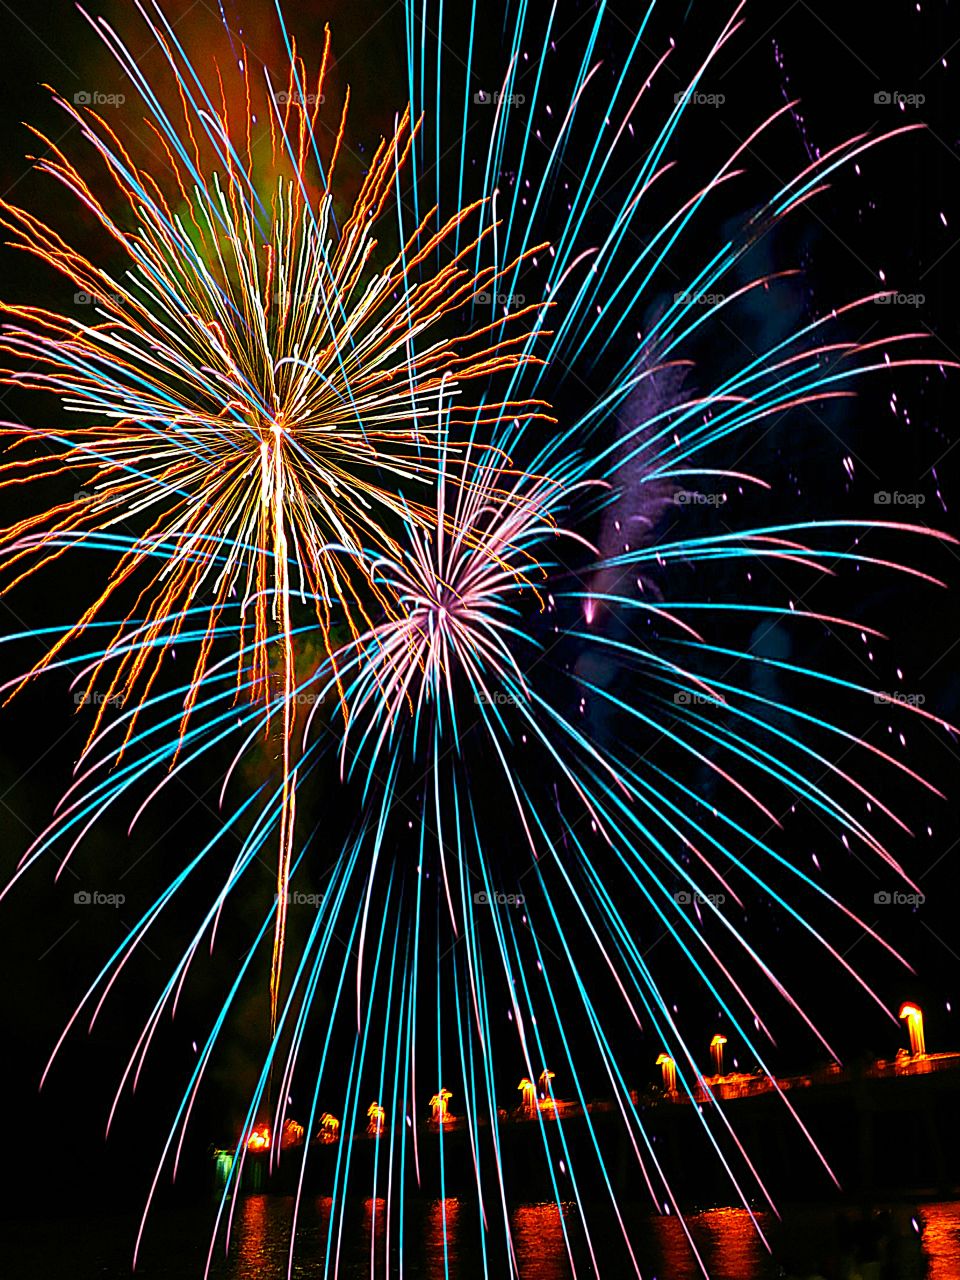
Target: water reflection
column 442, row 1240
column 375, row 1232
column 539, row 1243
column 254, row 1235
column 730, row 1244
column 941, row 1239
column 726, row 1240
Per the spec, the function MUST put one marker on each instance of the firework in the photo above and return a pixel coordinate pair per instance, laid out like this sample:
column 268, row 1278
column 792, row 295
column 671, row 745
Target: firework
column 512, row 688
column 255, row 395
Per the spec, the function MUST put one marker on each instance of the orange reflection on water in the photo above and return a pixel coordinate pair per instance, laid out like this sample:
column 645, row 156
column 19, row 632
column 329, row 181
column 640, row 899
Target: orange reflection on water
column 726, row 1240
column 441, row 1241
column 539, row 1243
column 941, row 1240
column 730, row 1242
column 374, row 1231
column 254, row 1240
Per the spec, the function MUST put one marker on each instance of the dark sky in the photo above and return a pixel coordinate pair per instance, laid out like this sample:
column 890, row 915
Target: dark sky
column 900, row 216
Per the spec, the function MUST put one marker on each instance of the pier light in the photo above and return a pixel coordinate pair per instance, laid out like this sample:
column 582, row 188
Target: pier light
column 223, row 1161
column 329, row 1129
column 528, row 1096
column 375, row 1119
column 716, row 1049
column 669, row 1068
column 438, row 1106
column 291, row 1135
column 913, row 1016
column 259, row 1139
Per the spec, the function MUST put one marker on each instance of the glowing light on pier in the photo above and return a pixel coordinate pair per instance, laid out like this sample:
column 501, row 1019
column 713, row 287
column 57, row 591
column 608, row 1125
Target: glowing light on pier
column 259, row 1139
column 914, row 1020
column 375, row 1119
column 716, row 1051
column 669, row 1069
column 529, row 1096
column 329, row 1129
column 438, row 1107
column 223, row 1161
column 292, row 1134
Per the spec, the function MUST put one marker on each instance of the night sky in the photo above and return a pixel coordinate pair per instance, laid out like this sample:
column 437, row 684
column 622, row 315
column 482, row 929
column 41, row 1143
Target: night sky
column 895, row 223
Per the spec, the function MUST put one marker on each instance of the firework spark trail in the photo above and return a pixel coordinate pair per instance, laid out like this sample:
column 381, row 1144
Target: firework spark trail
column 281, row 425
